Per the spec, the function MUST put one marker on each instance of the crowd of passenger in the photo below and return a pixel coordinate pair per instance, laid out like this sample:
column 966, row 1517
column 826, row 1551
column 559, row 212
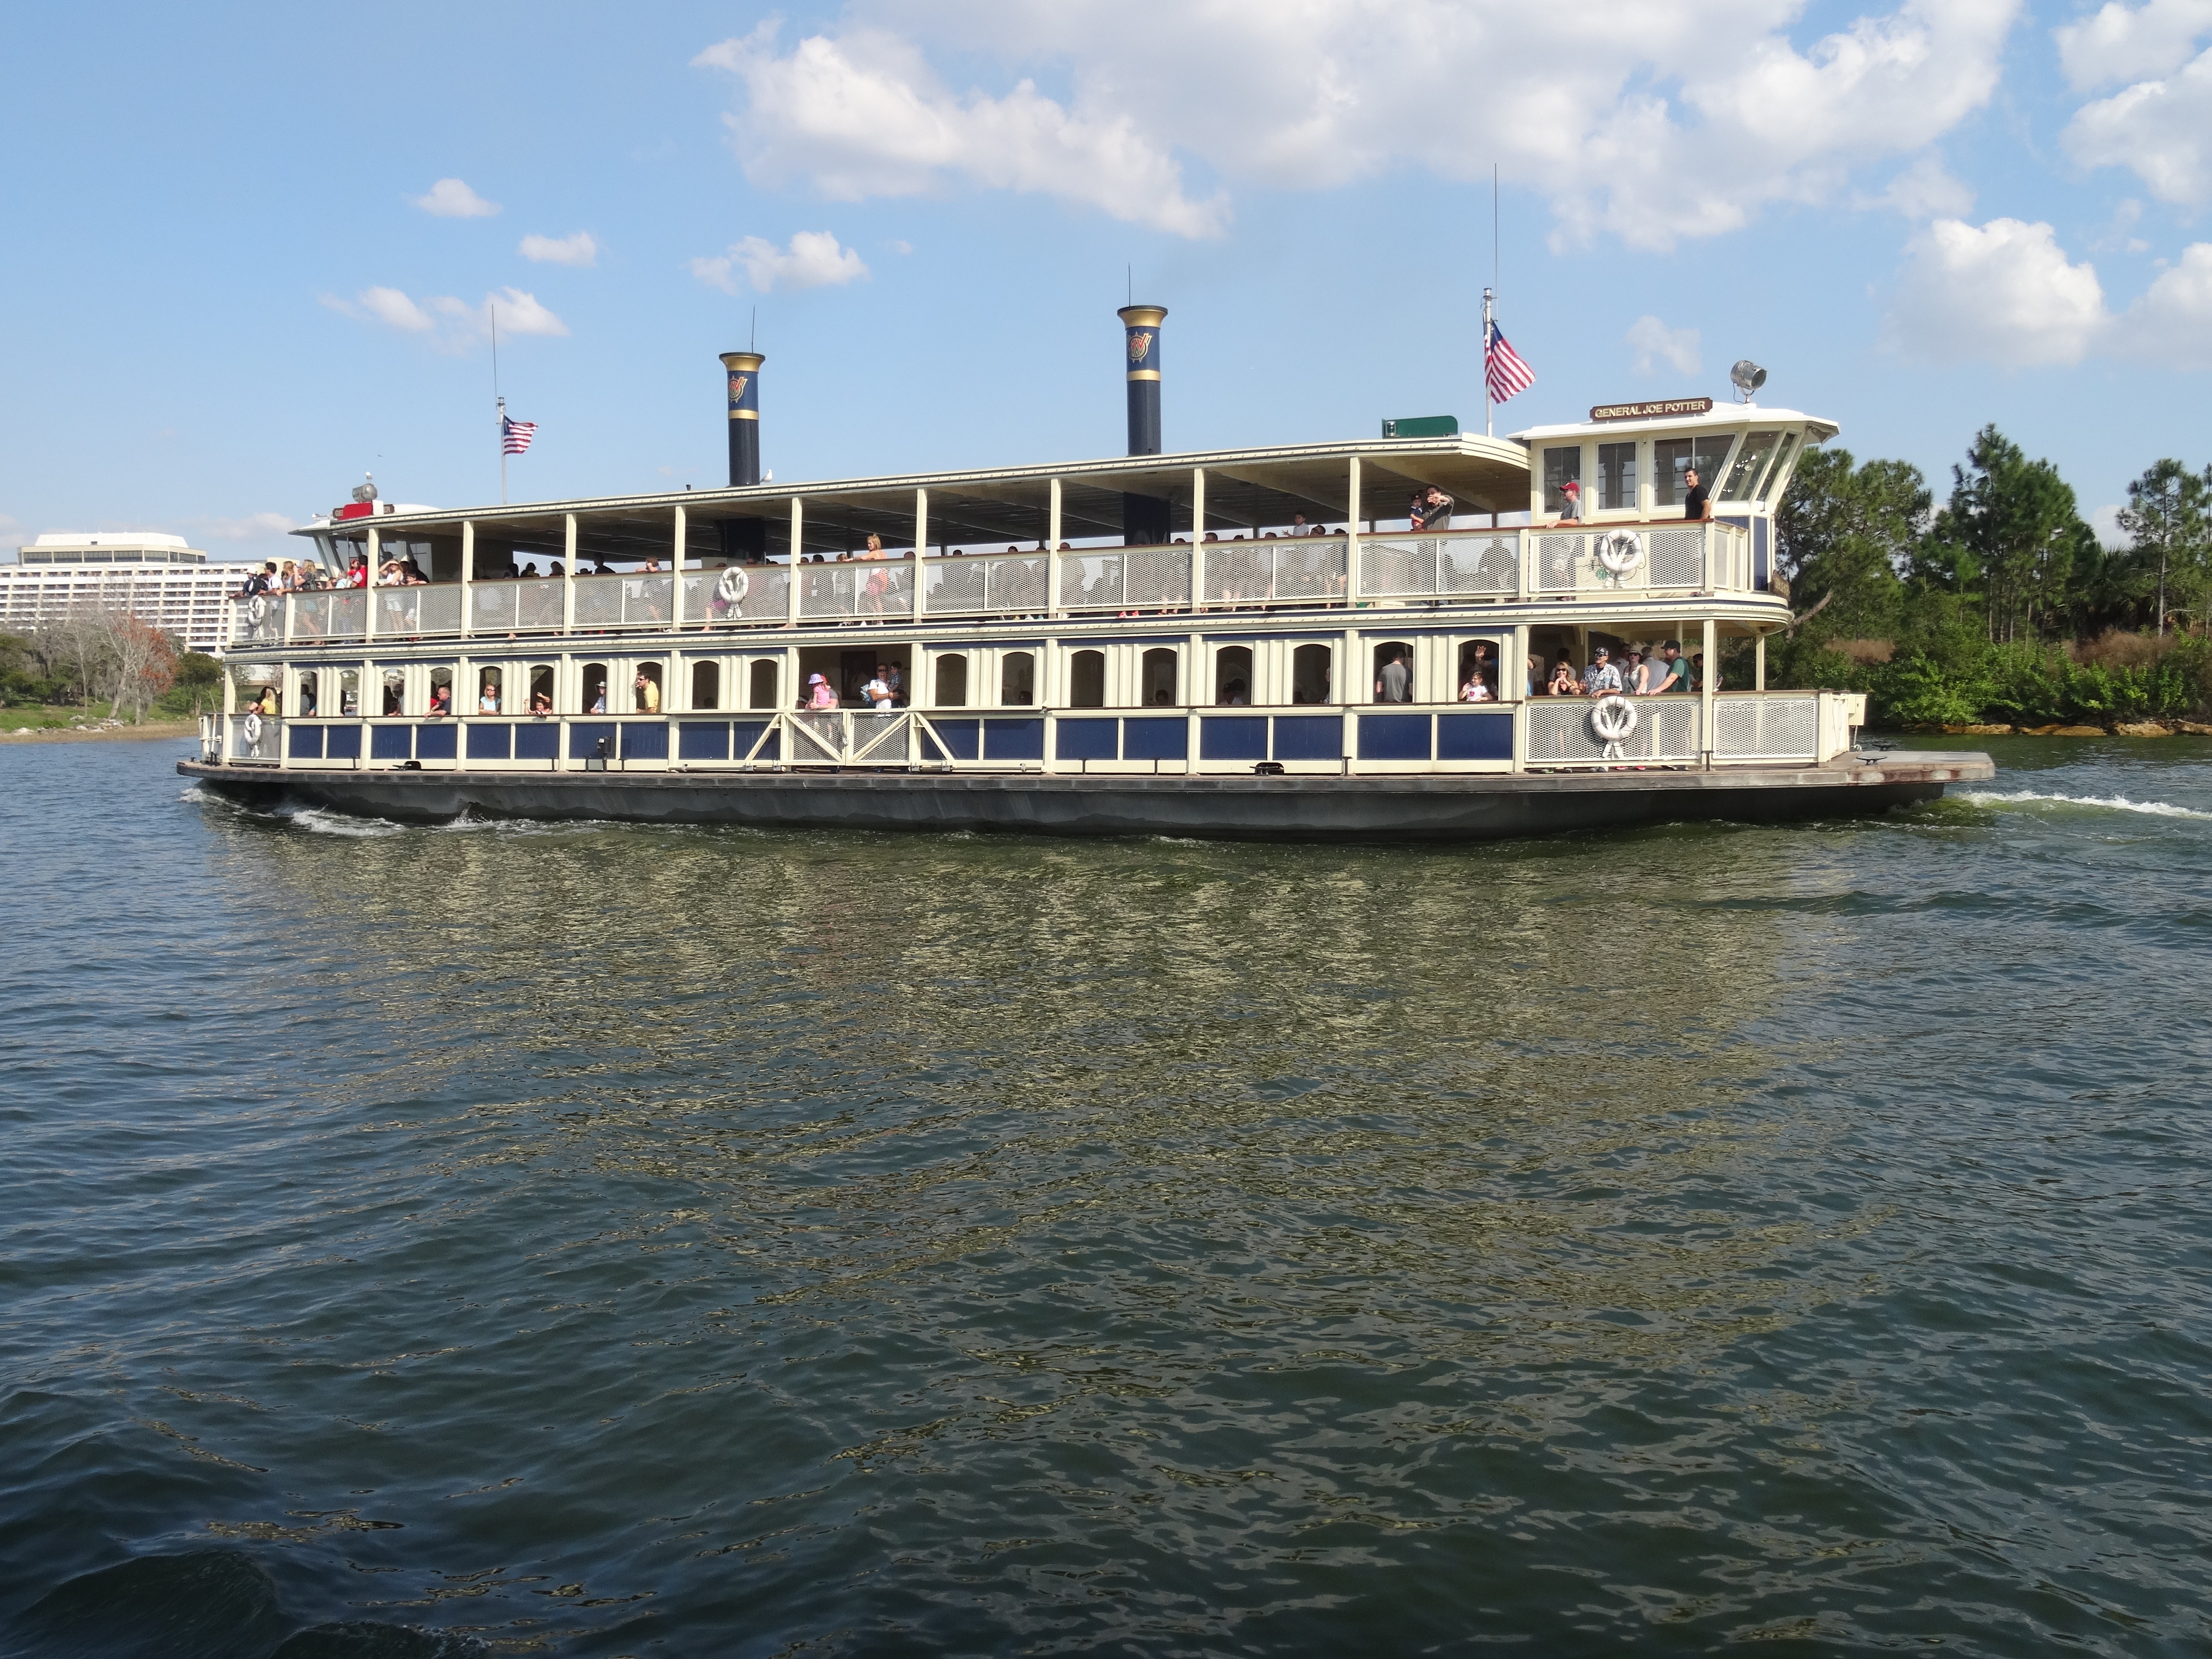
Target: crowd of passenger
column 1638, row 672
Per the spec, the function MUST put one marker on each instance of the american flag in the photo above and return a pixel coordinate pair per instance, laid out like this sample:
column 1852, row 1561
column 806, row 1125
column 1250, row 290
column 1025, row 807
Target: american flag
column 1503, row 368
column 516, row 435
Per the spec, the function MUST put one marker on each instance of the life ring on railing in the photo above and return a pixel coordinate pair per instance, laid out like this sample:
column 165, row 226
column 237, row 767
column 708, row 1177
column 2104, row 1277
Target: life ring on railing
column 257, row 609
column 734, row 586
column 250, row 731
column 1613, row 717
column 1621, row 551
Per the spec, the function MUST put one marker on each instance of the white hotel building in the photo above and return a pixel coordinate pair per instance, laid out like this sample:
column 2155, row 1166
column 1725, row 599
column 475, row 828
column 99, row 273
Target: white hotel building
column 158, row 578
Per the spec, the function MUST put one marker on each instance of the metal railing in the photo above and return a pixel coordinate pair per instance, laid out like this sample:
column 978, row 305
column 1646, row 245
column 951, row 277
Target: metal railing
column 1594, row 561
column 1772, row 726
column 1564, row 731
column 253, row 740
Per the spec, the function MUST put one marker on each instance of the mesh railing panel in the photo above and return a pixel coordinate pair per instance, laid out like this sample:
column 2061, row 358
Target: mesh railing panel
column 598, row 602
column 328, row 616
column 1310, row 568
column 1238, row 572
column 1766, row 728
column 967, row 586
column 860, row 588
column 878, row 738
column 1093, row 581
column 1390, row 568
column 493, row 607
column 1158, row 576
column 1560, row 730
column 819, row 735
column 1676, row 557
column 538, row 605
column 1478, row 565
column 1559, row 562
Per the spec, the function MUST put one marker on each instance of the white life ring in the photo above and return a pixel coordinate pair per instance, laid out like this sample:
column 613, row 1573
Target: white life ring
column 252, row 731
column 1621, row 551
column 1613, row 717
column 257, row 607
column 734, row 586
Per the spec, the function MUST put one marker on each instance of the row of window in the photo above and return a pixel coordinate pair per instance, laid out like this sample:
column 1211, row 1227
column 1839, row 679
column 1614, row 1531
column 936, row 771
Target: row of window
column 1760, row 463
column 1131, row 676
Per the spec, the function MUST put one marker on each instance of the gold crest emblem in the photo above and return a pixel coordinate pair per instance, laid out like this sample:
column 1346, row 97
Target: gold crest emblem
column 738, row 384
column 1140, row 346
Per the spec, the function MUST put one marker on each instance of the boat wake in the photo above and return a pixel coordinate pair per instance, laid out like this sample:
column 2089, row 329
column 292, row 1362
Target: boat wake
column 2157, row 809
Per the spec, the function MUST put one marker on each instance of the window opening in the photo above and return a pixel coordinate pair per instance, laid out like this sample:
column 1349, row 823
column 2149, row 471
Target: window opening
column 1309, row 674
column 350, row 692
column 1562, row 467
column 1479, row 665
column 1156, row 680
column 441, row 691
column 1233, row 676
column 490, row 689
column 1673, row 458
column 395, row 691
column 1750, row 463
column 307, row 700
column 1777, row 476
column 1017, row 680
column 1086, row 680
column 594, row 700
column 705, row 685
column 541, row 689
column 1616, row 477
column 761, row 694
column 1393, row 671
column 951, row 682
column 645, row 689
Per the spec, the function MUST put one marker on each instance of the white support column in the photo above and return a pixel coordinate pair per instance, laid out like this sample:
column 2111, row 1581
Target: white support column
column 1706, row 681
column 798, row 547
column 1052, row 558
column 468, row 575
column 1759, row 660
column 1352, row 538
column 369, row 593
column 921, row 584
column 1049, row 699
column 1197, row 539
column 568, row 576
column 675, row 603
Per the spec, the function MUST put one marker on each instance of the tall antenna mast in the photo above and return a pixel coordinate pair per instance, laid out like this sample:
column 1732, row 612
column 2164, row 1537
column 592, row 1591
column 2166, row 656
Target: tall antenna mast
column 1489, row 303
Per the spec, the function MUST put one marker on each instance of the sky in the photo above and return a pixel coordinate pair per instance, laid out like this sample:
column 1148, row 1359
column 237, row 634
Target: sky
column 255, row 251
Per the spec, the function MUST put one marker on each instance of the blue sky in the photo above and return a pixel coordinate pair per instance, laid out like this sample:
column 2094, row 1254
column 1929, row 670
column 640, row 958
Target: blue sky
column 234, row 282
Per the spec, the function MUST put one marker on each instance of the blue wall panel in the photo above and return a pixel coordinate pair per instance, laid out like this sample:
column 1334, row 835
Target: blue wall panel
column 1155, row 739
column 1393, row 737
column 1233, row 737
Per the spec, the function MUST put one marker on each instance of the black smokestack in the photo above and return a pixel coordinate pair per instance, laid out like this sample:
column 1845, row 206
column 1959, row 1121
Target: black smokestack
column 743, row 538
column 1144, row 518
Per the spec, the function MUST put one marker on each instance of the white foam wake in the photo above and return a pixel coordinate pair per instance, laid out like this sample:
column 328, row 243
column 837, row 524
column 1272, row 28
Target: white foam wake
column 2157, row 809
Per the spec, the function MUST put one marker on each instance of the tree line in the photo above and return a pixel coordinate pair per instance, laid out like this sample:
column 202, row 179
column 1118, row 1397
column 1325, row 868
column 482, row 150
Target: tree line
column 94, row 654
column 2001, row 605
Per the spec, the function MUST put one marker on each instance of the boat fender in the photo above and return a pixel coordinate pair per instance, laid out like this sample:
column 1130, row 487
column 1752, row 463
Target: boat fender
column 252, row 731
column 1621, row 551
column 257, row 607
column 734, row 586
column 1612, row 717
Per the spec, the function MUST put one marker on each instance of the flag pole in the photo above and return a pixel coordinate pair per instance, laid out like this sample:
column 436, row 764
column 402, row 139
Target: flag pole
column 1489, row 299
column 493, row 307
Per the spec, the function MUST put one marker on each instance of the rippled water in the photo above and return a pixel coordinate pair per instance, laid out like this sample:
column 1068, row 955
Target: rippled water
column 600, row 1240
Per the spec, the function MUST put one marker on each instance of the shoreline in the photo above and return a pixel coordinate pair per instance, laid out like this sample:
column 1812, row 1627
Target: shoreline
column 150, row 730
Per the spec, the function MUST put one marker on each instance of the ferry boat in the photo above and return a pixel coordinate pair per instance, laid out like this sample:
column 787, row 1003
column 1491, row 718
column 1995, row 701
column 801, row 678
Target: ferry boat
column 1281, row 642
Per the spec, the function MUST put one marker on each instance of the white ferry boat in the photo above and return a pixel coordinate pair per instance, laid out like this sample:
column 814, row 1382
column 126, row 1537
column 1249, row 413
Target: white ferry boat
column 1295, row 641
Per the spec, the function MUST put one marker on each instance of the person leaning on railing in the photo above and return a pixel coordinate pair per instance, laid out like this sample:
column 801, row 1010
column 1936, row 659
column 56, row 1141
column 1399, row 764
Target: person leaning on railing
column 1672, row 673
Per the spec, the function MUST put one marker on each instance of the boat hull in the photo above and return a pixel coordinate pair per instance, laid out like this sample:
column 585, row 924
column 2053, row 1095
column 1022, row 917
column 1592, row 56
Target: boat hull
column 1300, row 809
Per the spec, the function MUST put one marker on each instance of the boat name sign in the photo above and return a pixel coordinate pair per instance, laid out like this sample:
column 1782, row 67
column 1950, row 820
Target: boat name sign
column 1650, row 412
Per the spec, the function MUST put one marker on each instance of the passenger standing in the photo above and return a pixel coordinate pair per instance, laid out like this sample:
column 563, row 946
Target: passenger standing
column 1395, row 683
column 648, row 694
column 877, row 691
column 1670, row 672
column 1602, row 678
column 1695, row 504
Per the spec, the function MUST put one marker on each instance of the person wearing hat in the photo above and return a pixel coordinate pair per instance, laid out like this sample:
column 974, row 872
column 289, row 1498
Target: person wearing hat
column 1602, row 678
column 818, row 693
column 1570, row 500
column 1669, row 672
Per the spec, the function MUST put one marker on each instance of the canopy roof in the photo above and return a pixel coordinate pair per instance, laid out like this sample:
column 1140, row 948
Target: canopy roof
column 1246, row 490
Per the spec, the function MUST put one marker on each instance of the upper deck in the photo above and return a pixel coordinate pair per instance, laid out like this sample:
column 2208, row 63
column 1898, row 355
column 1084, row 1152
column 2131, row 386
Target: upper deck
column 1308, row 526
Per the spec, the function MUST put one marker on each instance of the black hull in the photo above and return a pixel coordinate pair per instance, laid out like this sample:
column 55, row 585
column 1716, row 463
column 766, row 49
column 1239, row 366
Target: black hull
column 1298, row 809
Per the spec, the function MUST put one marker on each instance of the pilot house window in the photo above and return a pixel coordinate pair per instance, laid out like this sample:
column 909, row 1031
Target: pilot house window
column 1616, row 477
column 1562, row 467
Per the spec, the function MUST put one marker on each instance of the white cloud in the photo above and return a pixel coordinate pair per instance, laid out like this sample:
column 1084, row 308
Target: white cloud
column 2160, row 129
column 814, row 259
column 1926, row 189
column 454, row 325
column 2105, row 521
column 1651, row 120
column 2171, row 324
column 578, row 250
column 1656, row 343
column 2124, row 43
column 449, row 198
column 865, row 116
column 2004, row 292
